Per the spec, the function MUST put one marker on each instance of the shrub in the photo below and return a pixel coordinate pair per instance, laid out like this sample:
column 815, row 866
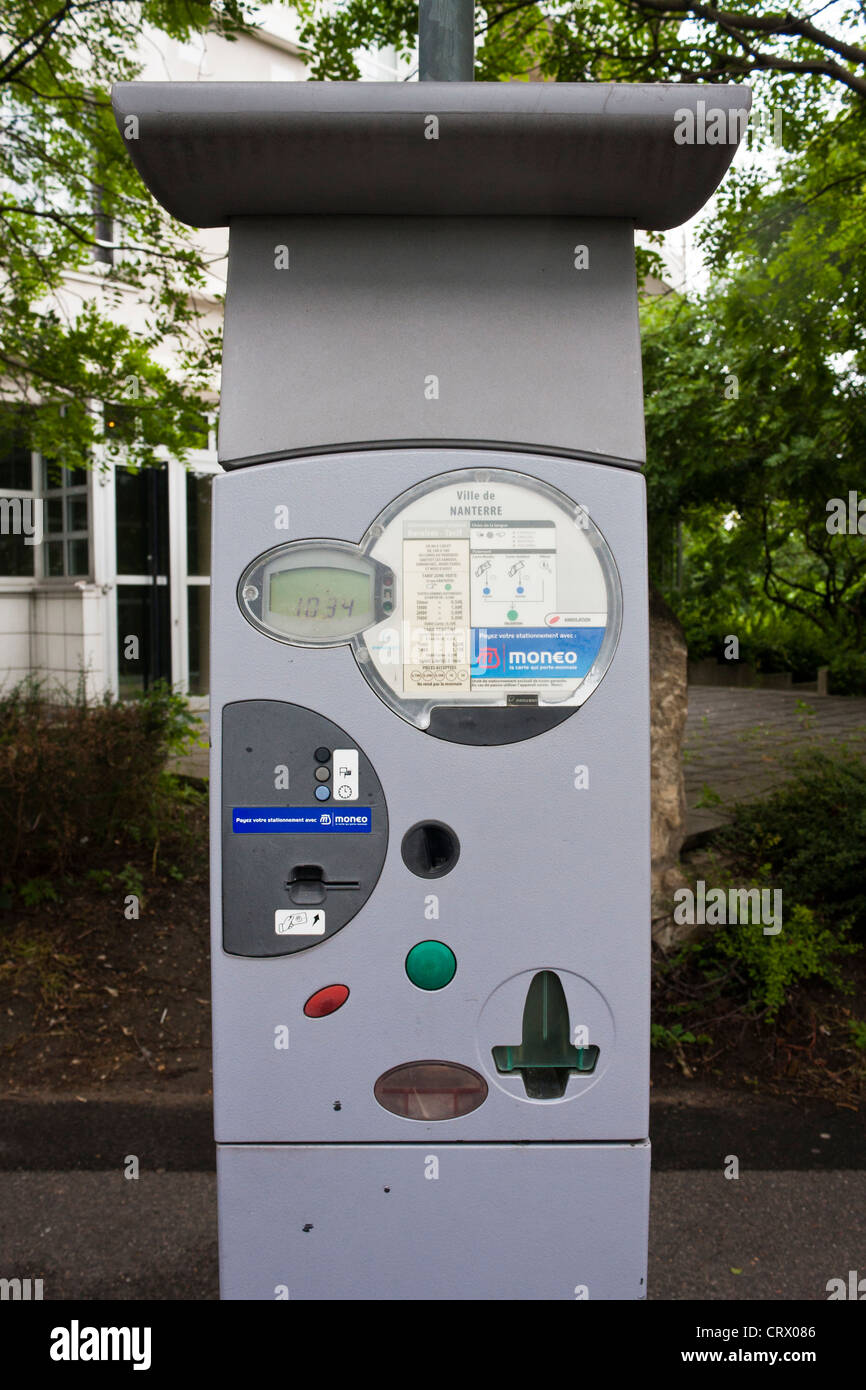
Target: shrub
column 773, row 965
column 76, row 778
column 848, row 673
column 811, row 835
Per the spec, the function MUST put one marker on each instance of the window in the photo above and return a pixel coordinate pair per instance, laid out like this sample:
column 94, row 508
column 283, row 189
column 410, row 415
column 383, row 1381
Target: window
column 66, row 548
column 198, row 505
column 198, row 526
column 143, row 598
column 17, row 494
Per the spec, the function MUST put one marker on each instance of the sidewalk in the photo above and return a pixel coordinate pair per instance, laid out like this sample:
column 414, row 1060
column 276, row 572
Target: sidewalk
column 768, row 1235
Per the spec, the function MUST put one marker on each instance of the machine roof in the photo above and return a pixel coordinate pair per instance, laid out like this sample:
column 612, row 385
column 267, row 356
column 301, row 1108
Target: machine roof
column 213, row 151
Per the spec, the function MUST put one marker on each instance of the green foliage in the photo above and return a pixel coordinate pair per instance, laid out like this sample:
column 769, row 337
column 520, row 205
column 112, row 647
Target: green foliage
column 857, row 1033
column 26, row 953
column 38, row 890
column 613, row 41
column 167, row 715
column 130, row 880
column 756, row 414
column 103, row 879
column 811, row 835
column 67, row 186
column 76, row 780
column 848, row 672
column 774, row 965
column 671, row 1038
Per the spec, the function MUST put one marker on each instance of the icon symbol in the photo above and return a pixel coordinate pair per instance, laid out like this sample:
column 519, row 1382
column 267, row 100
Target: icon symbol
column 290, row 921
column 488, row 658
column 325, row 818
column 311, row 923
column 344, row 791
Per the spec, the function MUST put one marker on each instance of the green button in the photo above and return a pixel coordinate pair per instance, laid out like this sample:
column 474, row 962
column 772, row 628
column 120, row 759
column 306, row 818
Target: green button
column 431, row 965
column 512, row 614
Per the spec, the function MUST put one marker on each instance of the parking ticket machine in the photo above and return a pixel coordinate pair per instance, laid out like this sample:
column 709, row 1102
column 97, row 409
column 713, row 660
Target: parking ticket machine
column 430, row 694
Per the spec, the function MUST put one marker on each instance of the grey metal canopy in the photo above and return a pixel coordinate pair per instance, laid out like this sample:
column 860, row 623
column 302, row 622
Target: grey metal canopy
column 214, row 151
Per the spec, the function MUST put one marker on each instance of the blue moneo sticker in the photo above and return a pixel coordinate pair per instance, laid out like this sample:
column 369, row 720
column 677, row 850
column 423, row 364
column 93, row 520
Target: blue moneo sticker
column 303, row 820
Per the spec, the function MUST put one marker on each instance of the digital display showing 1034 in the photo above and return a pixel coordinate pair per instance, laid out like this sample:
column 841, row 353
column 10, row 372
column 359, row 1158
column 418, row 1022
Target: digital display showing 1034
column 320, row 594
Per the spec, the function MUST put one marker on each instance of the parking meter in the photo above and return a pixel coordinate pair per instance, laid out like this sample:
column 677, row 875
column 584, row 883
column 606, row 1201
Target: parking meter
column 430, row 691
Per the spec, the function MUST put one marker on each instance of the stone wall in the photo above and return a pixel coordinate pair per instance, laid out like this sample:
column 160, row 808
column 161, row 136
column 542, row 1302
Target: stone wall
column 668, row 709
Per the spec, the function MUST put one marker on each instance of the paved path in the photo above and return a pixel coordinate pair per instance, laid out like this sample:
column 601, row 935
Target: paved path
column 795, row 1217
column 740, row 744
column 767, row 1235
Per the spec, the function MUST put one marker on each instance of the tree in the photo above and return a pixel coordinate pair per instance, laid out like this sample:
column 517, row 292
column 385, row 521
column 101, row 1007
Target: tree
column 612, row 40
column 756, row 412
column 70, row 200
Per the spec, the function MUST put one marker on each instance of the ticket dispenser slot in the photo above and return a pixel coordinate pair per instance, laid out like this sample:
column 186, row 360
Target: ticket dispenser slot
column 308, row 885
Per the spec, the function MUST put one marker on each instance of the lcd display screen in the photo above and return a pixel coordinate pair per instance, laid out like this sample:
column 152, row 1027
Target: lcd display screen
column 321, row 594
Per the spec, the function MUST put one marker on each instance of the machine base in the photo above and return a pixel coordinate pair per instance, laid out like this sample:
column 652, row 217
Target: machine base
column 421, row 1221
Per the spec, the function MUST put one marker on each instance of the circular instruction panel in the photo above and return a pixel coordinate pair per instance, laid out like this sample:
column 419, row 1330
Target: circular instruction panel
column 505, row 597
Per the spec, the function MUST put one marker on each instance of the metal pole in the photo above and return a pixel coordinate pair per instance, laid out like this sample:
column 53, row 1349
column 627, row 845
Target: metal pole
column 446, row 40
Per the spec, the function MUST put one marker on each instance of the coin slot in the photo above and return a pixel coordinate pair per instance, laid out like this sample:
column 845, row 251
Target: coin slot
column 430, row 849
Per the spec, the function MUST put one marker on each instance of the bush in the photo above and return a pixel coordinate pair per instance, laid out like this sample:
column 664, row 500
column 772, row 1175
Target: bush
column 773, row 965
column 848, row 673
column 77, row 778
column 811, row 835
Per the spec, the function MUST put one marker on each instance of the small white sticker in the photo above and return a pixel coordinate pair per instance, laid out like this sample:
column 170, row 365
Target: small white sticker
column 345, row 774
column 304, row 922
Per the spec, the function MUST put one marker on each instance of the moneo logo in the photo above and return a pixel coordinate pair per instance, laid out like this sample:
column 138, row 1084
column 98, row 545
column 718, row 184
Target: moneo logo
column 534, row 658
column 77, row 1343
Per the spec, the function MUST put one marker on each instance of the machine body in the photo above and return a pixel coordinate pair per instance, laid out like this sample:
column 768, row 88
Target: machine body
column 430, row 683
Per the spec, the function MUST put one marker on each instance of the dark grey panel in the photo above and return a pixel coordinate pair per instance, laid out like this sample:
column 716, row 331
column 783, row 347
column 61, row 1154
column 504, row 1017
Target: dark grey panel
column 210, row 151
column 266, row 873
column 340, row 346
column 511, row 724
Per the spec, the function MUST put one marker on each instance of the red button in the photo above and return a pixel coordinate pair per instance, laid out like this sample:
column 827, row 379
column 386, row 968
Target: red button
column 326, row 1001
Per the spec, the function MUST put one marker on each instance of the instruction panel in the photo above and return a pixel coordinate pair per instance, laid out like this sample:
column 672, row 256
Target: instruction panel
column 503, row 593
column 513, row 572
column 479, row 610
column 436, row 609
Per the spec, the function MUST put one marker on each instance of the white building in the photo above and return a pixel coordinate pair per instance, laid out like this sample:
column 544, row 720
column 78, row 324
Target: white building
column 126, row 555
